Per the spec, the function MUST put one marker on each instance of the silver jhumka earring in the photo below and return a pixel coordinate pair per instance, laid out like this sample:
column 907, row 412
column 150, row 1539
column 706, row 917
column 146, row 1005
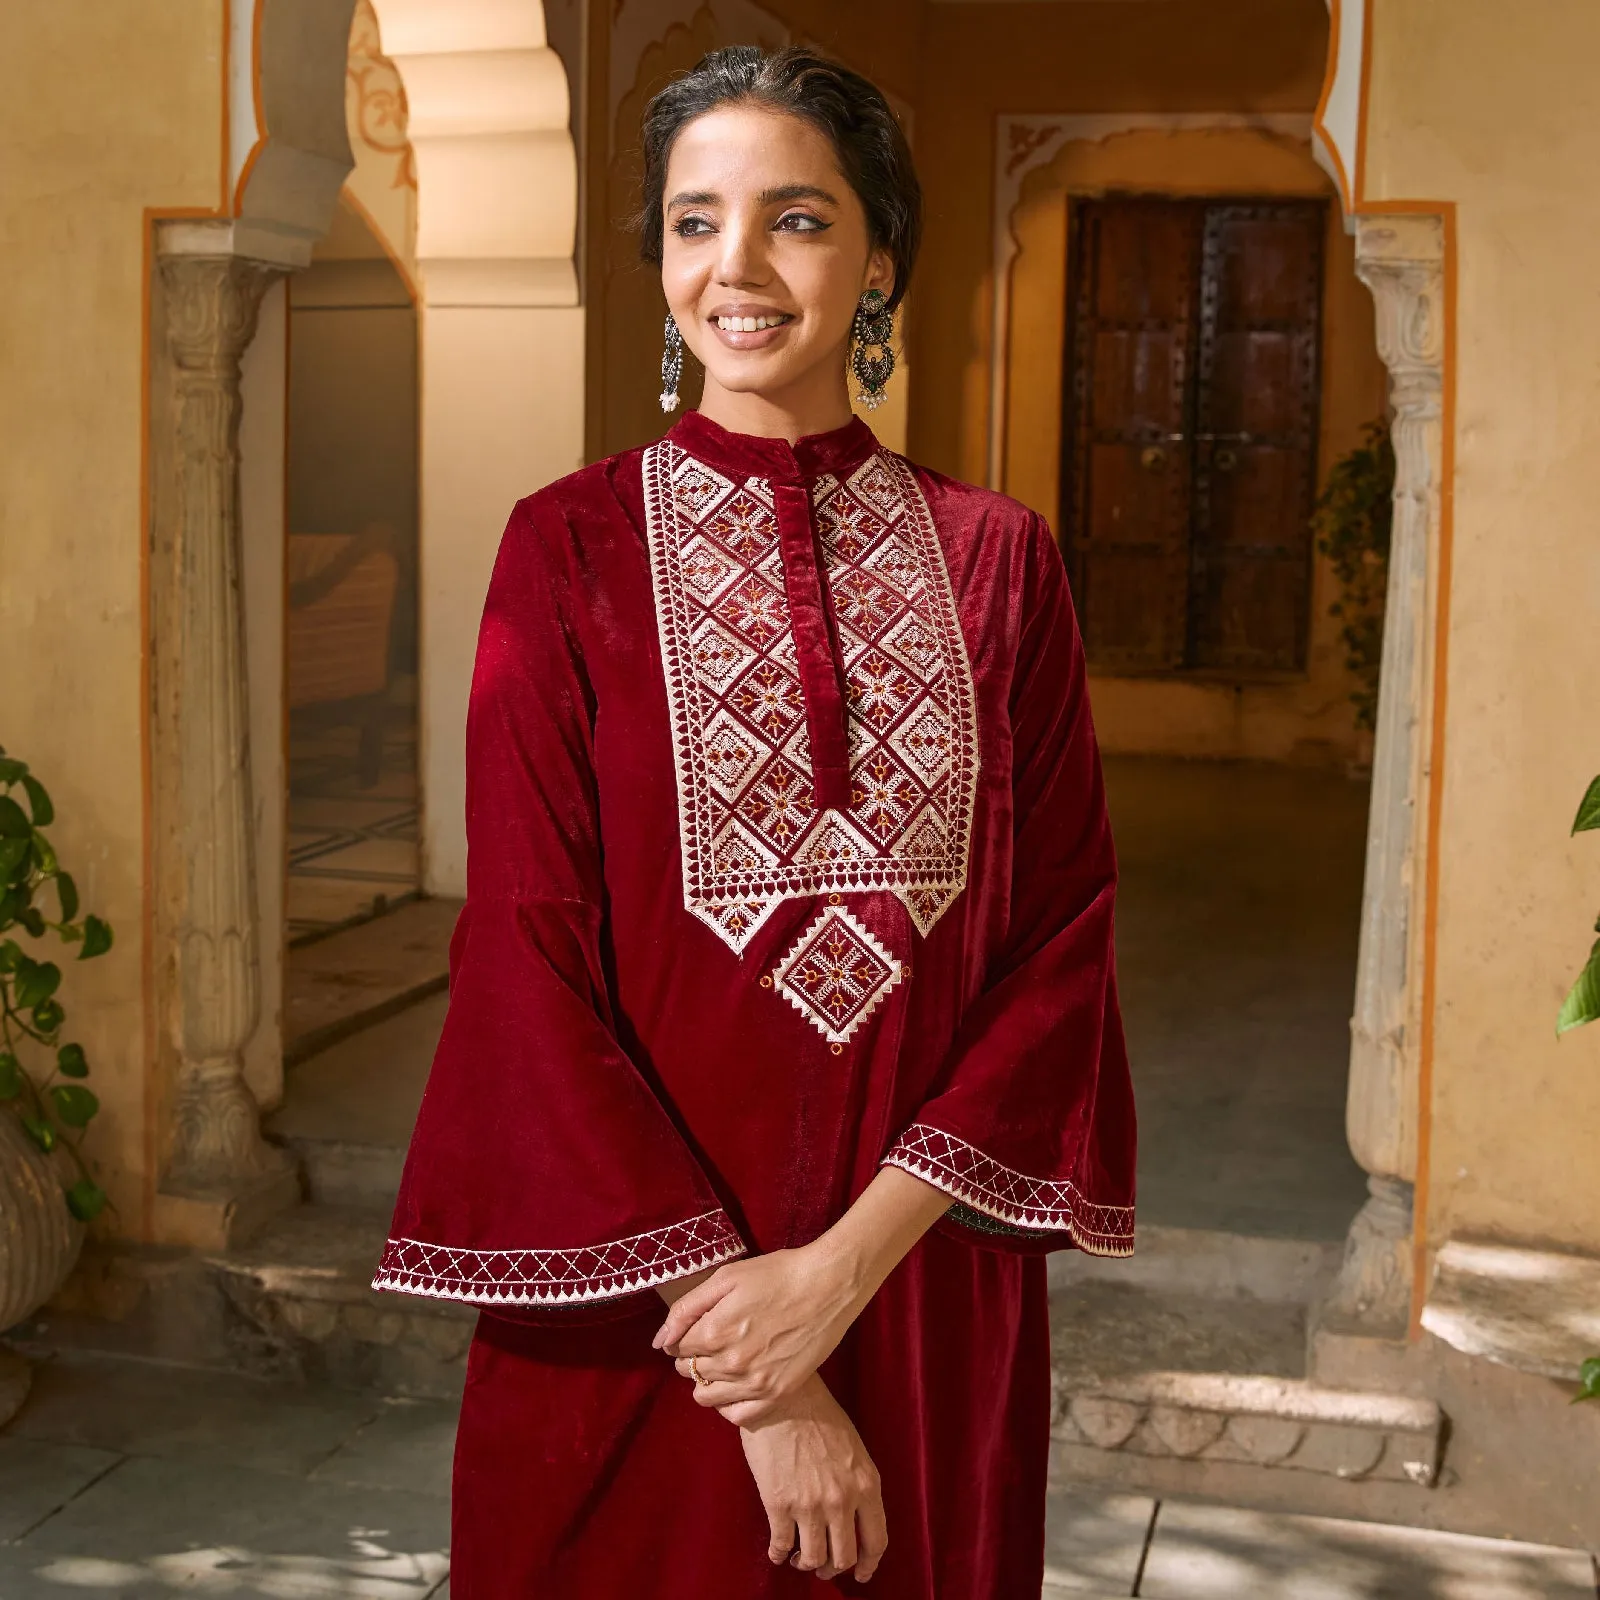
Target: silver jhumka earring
column 874, row 326
column 671, row 365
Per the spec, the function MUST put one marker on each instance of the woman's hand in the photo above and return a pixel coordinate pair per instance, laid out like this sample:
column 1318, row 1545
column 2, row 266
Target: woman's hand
column 759, row 1328
column 818, row 1485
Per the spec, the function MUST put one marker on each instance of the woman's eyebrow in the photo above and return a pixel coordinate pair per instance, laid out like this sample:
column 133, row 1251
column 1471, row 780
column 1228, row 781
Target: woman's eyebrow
column 787, row 192
column 693, row 197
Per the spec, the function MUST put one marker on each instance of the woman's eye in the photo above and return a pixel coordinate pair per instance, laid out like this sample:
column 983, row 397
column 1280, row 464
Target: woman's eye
column 801, row 222
column 691, row 227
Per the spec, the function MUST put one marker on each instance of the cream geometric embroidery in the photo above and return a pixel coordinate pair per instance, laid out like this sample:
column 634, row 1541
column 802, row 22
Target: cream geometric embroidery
column 836, row 974
column 751, row 833
column 558, row 1277
column 978, row 1180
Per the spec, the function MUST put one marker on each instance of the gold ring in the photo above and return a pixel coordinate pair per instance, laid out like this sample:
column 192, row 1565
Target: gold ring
column 694, row 1371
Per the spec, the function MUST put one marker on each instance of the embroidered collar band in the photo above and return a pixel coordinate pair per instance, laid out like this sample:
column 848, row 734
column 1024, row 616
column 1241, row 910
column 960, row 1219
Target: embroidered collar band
column 839, row 451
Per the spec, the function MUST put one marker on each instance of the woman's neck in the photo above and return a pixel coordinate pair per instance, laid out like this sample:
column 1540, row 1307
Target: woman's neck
column 815, row 407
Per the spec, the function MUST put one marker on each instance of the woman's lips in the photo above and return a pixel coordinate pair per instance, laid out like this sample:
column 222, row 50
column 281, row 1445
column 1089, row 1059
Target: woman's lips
column 754, row 332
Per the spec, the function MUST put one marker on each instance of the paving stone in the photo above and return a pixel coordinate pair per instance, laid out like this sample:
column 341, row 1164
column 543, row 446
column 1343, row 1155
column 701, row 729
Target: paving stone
column 150, row 1529
column 184, row 1412
column 409, row 1445
column 1219, row 1553
column 38, row 1478
column 1093, row 1541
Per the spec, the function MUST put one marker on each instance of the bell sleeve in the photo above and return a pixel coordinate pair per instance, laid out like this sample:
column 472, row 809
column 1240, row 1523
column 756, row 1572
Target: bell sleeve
column 543, row 1169
column 1030, row 1123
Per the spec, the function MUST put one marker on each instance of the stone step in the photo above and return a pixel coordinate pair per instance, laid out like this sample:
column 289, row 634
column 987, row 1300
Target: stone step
column 1173, row 1391
column 348, row 1112
column 304, row 1289
column 347, row 980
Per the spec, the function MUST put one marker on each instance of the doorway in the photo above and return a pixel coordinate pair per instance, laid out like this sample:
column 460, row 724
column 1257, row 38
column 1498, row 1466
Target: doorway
column 1189, row 447
column 352, row 584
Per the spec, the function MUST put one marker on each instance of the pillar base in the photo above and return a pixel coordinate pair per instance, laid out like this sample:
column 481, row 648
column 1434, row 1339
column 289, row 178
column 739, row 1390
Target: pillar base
column 219, row 1219
column 1371, row 1297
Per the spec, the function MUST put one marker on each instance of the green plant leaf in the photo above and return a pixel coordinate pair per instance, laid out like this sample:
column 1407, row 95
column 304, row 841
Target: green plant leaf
column 32, row 920
column 39, row 803
column 68, row 891
column 14, row 822
column 69, row 933
column 1583, row 999
column 45, row 852
column 71, row 1062
column 48, row 1016
column 12, row 900
column 1589, row 1380
column 11, row 956
column 13, row 852
column 1588, row 809
column 96, row 938
column 12, row 770
column 74, row 1104
column 10, row 1076
column 40, row 1132
column 36, row 981
column 86, row 1200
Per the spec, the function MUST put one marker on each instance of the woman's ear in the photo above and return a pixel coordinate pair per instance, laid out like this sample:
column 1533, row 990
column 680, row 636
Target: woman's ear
column 880, row 272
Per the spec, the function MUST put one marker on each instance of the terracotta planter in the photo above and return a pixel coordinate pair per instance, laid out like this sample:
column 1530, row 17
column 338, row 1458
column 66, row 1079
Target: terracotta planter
column 39, row 1239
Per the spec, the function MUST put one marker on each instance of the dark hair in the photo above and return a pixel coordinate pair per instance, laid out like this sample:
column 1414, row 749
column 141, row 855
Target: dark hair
column 872, row 149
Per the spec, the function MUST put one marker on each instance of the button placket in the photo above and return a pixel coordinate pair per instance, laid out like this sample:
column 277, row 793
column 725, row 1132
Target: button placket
column 816, row 652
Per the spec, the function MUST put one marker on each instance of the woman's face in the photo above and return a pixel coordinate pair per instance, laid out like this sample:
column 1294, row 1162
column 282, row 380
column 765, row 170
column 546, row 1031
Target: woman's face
column 765, row 252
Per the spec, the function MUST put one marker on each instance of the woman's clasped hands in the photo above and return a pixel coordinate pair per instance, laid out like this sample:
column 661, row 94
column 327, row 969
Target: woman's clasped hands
column 752, row 1334
column 756, row 1331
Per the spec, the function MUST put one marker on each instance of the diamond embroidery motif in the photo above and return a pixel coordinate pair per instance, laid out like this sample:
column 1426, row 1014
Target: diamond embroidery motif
column 750, row 831
column 836, row 975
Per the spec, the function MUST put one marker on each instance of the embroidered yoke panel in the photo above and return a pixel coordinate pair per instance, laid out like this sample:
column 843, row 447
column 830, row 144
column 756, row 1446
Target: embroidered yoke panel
column 752, row 831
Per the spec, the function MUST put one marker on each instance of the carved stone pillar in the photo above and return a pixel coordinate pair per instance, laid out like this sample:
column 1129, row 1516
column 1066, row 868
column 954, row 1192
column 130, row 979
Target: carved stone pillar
column 221, row 1180
column 1401, row 259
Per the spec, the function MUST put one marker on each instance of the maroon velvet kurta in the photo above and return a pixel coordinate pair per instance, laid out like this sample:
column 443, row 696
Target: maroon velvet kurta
column 788, row 857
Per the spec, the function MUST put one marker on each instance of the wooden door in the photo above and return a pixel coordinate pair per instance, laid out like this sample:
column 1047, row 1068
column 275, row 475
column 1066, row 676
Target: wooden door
column 1189, row 446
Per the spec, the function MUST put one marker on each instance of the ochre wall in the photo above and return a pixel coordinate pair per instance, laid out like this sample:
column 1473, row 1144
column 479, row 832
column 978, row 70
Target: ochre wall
column 111, row 106
column 1307, row 718
column 1472, row 105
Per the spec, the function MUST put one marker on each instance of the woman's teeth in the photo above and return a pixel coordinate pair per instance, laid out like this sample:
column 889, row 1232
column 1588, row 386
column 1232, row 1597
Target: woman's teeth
column 748, row 324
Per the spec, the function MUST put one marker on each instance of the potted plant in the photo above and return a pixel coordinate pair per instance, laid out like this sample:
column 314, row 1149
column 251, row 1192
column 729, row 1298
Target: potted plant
column 47, row 1191
column 1353, row 520
column 1583, row 1005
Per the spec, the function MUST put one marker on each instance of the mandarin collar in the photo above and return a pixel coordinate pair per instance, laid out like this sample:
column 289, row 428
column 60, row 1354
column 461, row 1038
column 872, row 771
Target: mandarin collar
column 839, row 451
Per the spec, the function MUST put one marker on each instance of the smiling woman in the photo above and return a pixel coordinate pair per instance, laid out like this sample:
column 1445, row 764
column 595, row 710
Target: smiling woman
column 765, row 261
column 787, row 937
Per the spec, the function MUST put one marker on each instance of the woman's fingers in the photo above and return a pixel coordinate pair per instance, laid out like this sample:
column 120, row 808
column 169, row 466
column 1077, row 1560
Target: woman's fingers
column 813, row 1552
column 872, row 1530
column 781, row 1545
column 689, row 1308
column 841, row 1541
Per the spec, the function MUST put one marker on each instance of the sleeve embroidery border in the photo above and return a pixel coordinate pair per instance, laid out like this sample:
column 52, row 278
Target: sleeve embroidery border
column 984, row 1184
column 558, row 1277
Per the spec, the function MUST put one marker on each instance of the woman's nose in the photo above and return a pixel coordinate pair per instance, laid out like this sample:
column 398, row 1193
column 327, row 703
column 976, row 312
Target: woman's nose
column 743, row 259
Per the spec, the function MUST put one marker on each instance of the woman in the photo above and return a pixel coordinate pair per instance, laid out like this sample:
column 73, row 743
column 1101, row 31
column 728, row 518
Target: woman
column 788, row 923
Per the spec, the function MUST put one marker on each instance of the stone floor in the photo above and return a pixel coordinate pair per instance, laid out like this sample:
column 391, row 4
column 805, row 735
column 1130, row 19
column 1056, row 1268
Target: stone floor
column 137, row 1482
column 352, row 849
column 1237, row 923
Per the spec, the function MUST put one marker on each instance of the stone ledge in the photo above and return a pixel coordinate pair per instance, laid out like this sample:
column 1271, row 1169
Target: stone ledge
column 1535, row 1310
column 1257, row 1421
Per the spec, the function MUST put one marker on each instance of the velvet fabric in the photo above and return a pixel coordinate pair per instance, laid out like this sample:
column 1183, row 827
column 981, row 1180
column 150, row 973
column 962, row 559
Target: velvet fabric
column 788, row 858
